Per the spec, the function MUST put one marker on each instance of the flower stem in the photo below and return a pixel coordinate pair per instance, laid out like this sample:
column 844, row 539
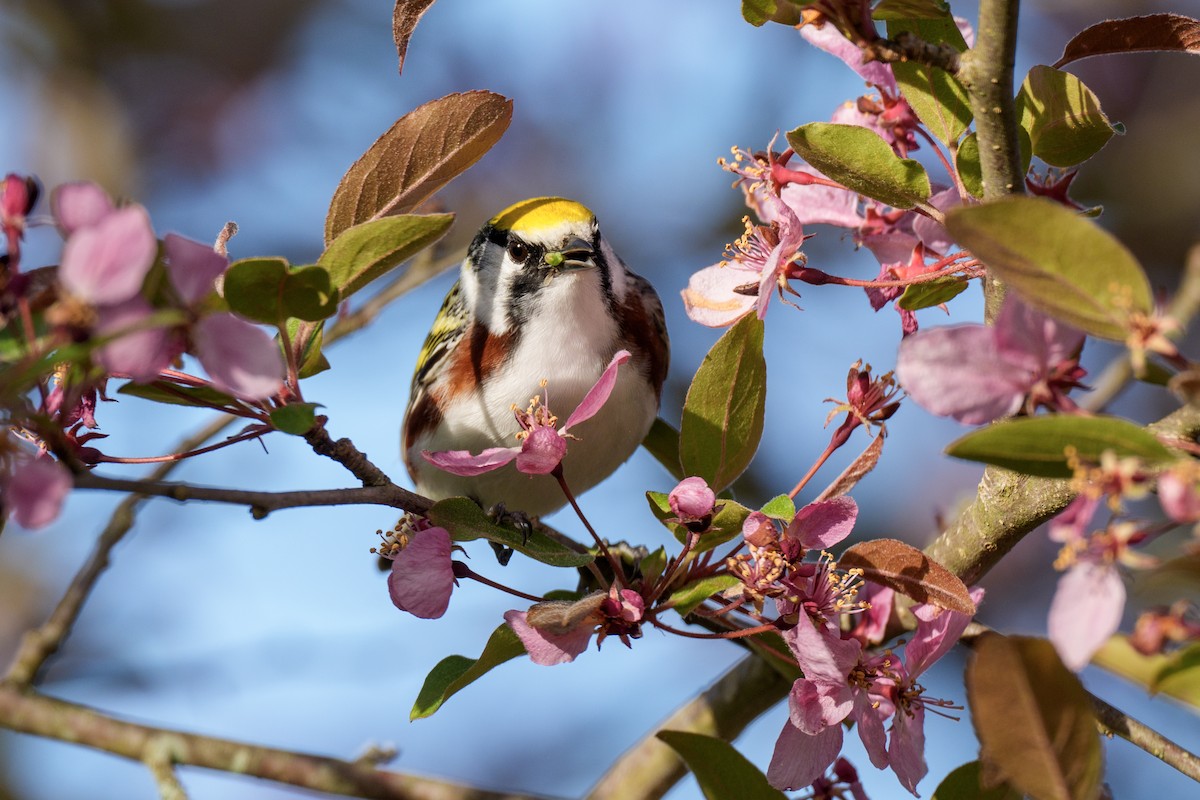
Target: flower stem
column 612, row 561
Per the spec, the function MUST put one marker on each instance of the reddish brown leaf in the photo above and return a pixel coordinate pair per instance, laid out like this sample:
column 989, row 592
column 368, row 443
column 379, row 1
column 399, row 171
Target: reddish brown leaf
column 854, row 473
column 404, row 19
column 910, row 572
column 1034, row 720
column 1169, row 32
column 416, row 157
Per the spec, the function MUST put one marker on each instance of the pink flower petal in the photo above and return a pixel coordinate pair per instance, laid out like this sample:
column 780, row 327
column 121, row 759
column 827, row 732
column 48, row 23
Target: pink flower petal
column 956, row 371
column 869, row 716
column 711, row 298
column 107, row 262
column 542, row 451
column 932, row 234
column 193, row 266
column 239, row 357
column 822, row 654
column 799, row 759
column 35, row 491
column 461, row 462
column 1027, row 337
column 422, row 576
column 906, row 750
column 597, row 396
column 938, row 630
column 1179, row 496
column 822, row 524
column 831, row 40
column 140, row 354
column 813, row 705
column 79, row 205
column 1086, row 610
column 691, row 499
column 545, row 648
column 817, row 204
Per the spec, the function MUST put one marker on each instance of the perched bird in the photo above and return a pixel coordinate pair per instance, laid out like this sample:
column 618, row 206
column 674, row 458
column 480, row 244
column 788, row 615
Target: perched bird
column 541, row 297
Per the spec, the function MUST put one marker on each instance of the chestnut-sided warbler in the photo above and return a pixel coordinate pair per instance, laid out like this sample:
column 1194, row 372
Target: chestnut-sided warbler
column 541, row 306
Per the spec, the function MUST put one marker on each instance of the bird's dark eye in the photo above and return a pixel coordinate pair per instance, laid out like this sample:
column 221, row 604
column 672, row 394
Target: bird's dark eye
column 518, row 251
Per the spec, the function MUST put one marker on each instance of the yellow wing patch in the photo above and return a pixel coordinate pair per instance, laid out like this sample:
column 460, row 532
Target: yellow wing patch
column 539, row 213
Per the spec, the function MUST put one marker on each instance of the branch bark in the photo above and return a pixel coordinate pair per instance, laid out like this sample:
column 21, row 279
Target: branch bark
column 27, row 712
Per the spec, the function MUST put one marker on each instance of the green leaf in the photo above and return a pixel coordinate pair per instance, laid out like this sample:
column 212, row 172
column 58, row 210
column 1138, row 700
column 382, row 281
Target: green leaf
column 652, row 566
column 965, row 783
column 1037, row 445
column 1062, row 116
column 1060, row 263
column 662, row 442
column 931, row 293
column 418, row 155
column 311, row 337
column 966, row 160
column 176, row 395
column 455, row 673
column 758, row 12
column 269, row 290
column 724, row 407
column 466, row 522
column 781, row 508
column 1033, row 719
column 862, row 161
column 910, row 572
column 362, row 253
column 722, row 772
column 295, row 418
column 938, row 98
column 1118, row 657
column 1181, row 668
column 687, row 597
column 888, row 10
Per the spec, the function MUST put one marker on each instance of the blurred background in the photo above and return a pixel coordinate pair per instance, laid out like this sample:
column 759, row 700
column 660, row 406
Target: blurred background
column 280, row 632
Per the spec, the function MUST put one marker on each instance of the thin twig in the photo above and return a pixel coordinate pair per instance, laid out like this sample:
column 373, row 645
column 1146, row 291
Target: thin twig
column 28, row 712
column 262, row 503
column 39, row 644
column 1114, row 722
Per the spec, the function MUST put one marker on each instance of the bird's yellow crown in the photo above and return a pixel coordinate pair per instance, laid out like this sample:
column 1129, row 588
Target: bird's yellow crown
column 540, row 213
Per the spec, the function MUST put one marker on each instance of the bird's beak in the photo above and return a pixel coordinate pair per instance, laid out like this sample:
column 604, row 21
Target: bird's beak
column 577, row 254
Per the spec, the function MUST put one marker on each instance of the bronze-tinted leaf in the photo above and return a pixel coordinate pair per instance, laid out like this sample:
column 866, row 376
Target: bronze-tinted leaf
column 405, row 16
column 1172, row 32
column 855, row 472
column 1033, row 719
column 910, row 572
column 416, row 157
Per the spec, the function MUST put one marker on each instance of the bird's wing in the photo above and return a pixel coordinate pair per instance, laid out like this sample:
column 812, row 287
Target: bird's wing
column 448, row 328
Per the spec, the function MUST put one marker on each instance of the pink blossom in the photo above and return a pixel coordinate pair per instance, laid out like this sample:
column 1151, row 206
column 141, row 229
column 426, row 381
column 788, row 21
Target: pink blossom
column 105, row 262
column 937, row 631
column 548, row 647
column 422, row 575
column 820, row 525
column 139, row 351
column 34, row 491
column 555, row 632
column 978, row 373
column 1179, row 492
column 239, row 357
column 79, row 205
column 1085, row 612
column 756, row 267
column 542, row 445
column 828, row 38
column 871, row 625
column 193, row 267
column 693, row 503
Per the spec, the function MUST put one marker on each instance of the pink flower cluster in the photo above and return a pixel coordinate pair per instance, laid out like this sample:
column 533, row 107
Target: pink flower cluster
column 107, row 255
